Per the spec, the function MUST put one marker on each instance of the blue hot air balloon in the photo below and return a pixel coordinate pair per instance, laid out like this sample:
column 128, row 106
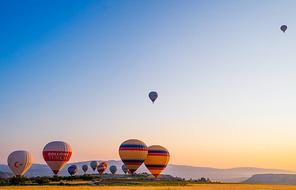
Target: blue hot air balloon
column 85, row 168
column 124, row 168
column 153, row 96
column 94, row 165
column 113, row 169
column 284, row 28
column 73, row 169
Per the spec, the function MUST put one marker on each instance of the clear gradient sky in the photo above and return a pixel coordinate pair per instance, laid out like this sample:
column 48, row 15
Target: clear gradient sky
column 80, row 72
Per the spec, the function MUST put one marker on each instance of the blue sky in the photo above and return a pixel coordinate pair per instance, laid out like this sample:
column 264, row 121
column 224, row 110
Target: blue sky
column 81, row 71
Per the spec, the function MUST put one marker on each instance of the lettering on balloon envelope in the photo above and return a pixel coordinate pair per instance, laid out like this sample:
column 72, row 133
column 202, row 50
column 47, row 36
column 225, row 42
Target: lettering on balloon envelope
column 56, row 156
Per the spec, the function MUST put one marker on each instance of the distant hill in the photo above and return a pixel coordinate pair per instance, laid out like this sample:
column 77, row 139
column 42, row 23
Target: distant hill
column 5, row 175
column 280, row 179
column 224, row 175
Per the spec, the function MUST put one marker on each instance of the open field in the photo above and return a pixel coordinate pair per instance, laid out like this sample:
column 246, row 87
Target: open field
column 189, row 187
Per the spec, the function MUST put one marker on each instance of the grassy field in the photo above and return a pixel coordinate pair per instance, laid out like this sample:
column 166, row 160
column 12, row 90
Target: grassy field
column 189, row 187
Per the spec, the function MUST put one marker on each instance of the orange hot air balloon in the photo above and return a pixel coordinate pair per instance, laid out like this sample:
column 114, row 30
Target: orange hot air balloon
column 56, row 154
column 157, row 159
column 105, row 164
column 133, row 153
column 19, row 162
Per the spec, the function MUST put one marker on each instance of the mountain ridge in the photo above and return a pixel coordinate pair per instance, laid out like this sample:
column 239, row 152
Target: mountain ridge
column 236, row 174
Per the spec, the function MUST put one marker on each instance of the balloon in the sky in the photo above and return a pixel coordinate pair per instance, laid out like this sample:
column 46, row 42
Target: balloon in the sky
column 73, row 169
column 124, row 168
column 19, row 162
column 101, row 168
column 157, row 159
column 94, row 165
column 56, row 154
column 133, row 153
column 284, row 28
column 85, row 168
column 113, row 169
column 153, row 96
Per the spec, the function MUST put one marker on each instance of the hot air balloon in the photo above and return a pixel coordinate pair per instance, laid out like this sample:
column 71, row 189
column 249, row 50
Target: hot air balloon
column 133, row 153
column 105, row 164
column 113, row 169
column 73, row 169
column 284, row 28
column 129, row 172
column 153, row 96
column 56, row 154
column 19, row 162
column 101, row 168
column 94, row 165
column 85, row 168
column 157, row 159
column 124, row 168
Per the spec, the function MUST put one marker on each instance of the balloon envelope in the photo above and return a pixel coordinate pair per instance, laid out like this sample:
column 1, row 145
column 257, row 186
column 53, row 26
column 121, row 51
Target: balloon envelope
column 153, row 96
column 284, row 28
column 157, row 159
column 73, row 169
column 85, row 168
column 56, row 154
column 133, row 153
column 19, row 162
column 113, row 169
column 101, row 168
column 124, row 168
column 105, row 164
column 94, row 165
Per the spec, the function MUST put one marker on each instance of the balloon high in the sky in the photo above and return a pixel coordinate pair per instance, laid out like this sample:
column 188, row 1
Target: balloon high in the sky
column 101, row 168
column 19, row 162
column 133, row 153
column 73, row 169
column 113, row 169
column 124, row 168
column 157, row 159
column 94, row 165
column 153, row 96
column 85, row 168
column 56, row 154
column 284, row 28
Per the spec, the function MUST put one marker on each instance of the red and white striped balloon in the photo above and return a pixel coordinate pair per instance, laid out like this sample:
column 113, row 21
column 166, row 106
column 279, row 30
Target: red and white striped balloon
column 56, row 154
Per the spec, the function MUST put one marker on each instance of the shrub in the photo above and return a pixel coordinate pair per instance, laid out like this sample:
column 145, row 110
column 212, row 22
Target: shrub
column 17, row 180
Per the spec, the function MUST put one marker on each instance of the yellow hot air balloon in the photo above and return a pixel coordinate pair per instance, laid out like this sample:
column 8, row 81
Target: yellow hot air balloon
column 19, row 162
column 133, row 153
column 157, row 159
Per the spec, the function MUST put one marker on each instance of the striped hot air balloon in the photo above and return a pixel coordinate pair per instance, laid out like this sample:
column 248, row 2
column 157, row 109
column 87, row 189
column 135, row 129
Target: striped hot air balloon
column 19, row 162
column 157, row 159
column 133, row 153
column 56, row 154
column 73, row 169
column 101, row 168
